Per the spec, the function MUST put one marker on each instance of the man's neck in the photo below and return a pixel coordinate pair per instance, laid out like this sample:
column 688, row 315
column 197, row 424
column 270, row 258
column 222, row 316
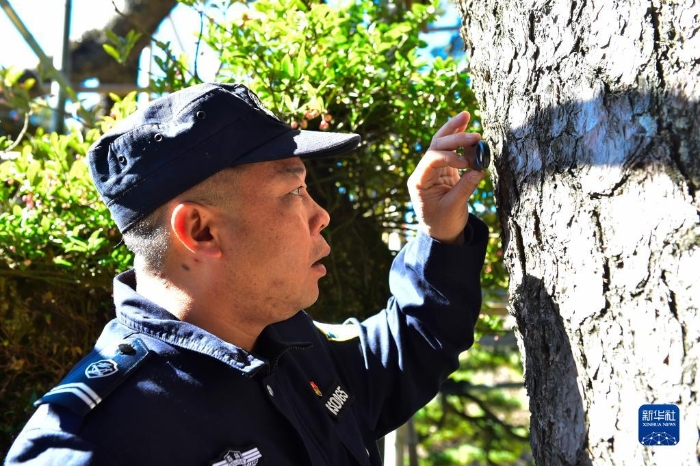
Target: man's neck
column 205, row 312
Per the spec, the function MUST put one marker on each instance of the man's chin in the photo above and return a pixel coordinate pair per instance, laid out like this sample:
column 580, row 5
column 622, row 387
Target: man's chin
column 311, row 299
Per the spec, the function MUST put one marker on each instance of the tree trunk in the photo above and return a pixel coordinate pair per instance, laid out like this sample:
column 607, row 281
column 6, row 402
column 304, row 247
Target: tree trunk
column 591, row 108
column 88, row 58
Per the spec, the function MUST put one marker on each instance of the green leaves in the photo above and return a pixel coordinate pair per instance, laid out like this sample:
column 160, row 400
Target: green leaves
column 50, row 213
column 119, row 47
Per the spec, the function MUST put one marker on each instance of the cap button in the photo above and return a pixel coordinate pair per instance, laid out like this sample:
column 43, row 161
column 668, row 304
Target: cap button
column 126, row 348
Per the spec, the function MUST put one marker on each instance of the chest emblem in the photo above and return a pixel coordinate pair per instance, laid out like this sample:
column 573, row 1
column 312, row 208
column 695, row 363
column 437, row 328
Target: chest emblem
column 103, row 368
column 317, row 390
column 239, row 458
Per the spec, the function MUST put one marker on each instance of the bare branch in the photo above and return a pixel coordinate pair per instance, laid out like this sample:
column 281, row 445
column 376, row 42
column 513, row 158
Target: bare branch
column 19, row 138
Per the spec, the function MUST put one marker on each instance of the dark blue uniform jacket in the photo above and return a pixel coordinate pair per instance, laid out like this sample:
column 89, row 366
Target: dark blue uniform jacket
column 156, row 390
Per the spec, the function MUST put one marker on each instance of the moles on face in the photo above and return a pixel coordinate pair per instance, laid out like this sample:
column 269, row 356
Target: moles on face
column 271, row 241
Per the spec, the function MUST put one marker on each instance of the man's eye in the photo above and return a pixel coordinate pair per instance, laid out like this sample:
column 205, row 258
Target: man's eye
column 297, row 191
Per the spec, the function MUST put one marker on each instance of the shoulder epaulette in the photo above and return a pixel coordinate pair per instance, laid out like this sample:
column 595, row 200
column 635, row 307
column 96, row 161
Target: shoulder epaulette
column 339, row 332
column 97, row 376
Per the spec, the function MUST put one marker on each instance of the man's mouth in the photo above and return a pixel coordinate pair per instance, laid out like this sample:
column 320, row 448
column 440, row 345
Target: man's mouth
column 318, row 265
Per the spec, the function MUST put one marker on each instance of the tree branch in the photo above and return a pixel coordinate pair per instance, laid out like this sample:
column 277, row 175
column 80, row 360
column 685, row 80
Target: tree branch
column 19, row 138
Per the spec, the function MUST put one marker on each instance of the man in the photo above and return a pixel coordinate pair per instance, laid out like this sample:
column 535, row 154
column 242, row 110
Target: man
column 210, row 360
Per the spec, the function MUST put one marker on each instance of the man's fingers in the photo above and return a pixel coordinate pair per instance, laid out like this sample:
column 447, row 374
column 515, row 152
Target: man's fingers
column 456, row 124
column 455, row 141
column 438, row 192
column 466, row 185
column 436, row 159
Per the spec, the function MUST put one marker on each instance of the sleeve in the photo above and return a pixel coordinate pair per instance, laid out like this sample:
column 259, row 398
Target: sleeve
column 408, row 350
column 51, row 435
column 47, row 439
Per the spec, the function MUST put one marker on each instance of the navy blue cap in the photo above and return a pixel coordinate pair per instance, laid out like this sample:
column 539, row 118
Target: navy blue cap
column 183, row 138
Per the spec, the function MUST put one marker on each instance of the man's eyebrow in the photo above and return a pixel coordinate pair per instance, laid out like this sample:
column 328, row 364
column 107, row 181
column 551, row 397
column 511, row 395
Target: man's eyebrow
column 297, row 170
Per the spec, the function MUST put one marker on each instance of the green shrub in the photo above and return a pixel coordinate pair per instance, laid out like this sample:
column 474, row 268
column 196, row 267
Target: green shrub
column 59, row 251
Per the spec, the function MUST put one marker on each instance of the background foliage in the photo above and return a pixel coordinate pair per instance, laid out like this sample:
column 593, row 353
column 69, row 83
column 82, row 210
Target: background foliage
column 343, row 68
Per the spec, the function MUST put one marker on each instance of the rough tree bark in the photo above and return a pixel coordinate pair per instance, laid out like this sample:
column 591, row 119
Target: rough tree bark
column 592, row 108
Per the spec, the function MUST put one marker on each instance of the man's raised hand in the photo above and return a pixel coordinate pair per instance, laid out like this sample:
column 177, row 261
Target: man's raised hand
column 438, row 192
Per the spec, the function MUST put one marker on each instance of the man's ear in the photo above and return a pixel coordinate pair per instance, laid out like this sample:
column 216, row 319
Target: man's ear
column 191, row 225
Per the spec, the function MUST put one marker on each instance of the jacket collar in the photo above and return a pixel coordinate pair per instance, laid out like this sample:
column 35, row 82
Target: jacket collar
column 143, row 316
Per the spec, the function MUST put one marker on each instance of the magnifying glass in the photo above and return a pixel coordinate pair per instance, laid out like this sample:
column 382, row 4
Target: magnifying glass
column 482, row 158
column 478, row 156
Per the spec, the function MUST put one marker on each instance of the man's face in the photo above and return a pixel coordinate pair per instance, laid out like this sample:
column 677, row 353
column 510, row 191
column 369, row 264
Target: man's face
column 271, row 242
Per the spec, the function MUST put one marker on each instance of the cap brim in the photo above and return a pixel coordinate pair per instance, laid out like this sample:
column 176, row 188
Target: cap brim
column 304, row 144
column 324, row 144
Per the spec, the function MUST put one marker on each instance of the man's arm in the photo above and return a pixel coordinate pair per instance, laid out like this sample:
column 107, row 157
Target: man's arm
column 47, row 439
column 410, row 348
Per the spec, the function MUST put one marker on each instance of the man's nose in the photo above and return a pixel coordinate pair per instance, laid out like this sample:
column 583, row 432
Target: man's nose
column 320, row 218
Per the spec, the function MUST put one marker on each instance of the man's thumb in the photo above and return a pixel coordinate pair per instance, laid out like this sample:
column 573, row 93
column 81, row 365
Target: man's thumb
column 468, row 183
